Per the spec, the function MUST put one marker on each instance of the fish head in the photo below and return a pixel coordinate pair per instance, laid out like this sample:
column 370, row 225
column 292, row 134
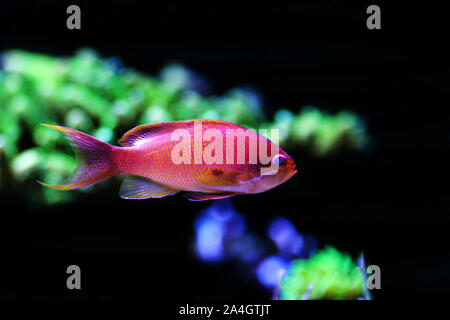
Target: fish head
column 280, row 169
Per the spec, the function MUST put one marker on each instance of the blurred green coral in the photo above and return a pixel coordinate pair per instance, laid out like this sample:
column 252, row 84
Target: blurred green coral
column 323, row 132
column 103, row 98
column 328, row 275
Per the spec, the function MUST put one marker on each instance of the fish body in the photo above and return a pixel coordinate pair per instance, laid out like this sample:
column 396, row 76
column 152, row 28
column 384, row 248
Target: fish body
column 207, row 159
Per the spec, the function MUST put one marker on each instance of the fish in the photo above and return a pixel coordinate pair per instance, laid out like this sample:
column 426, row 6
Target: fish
column 204, row 159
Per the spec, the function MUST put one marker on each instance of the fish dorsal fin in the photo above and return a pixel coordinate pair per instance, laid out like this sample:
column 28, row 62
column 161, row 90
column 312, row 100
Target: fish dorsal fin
column 201, row 196
column 147, row 131
column 144, row 132
column 140, row 188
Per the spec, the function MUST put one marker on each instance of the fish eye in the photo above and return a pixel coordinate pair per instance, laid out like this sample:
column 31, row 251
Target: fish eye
column 282, row 161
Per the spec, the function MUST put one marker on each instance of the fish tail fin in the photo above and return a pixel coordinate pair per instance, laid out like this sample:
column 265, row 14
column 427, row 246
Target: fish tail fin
column 94, row 157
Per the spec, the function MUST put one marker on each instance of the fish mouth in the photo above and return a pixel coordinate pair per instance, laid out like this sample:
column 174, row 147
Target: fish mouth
column 291, row 174
column 294, row 170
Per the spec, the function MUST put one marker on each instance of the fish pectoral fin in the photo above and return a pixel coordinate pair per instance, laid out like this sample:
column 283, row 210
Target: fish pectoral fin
column 201, row 196
column 141, row 188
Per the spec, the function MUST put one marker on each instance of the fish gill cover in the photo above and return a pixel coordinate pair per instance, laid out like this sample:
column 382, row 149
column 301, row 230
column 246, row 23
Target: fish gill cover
column 104, row 98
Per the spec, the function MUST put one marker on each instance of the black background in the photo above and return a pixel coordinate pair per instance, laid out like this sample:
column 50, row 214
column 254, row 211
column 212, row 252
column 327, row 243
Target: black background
column 390, row 201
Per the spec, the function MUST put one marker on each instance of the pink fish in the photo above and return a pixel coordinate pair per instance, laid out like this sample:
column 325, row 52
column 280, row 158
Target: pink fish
column 206, row 159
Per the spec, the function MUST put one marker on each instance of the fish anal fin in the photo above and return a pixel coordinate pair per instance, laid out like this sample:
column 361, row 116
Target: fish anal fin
column 201, row 196
column 141, row 188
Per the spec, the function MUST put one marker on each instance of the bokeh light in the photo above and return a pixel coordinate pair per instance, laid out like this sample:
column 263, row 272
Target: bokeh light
column 216, row 229
column 270, row 271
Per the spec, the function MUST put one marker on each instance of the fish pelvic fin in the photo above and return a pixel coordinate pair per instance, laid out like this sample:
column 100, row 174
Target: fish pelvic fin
column 94, row 158
column 141, row 188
